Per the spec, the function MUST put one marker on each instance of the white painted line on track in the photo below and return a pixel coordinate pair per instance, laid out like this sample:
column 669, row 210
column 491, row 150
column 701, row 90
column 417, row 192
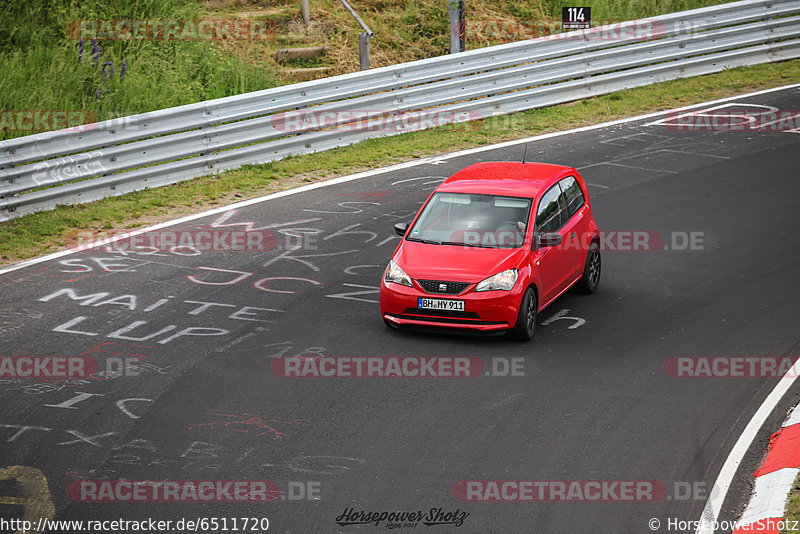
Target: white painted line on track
column 718, row 493
column 793, row 418
column 769, row 496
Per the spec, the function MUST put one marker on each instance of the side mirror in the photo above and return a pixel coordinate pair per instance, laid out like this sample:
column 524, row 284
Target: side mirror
column 401, row 229
column 550, row 239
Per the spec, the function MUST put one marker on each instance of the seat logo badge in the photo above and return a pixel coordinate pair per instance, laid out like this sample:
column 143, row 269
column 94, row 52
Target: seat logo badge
column 442, row 287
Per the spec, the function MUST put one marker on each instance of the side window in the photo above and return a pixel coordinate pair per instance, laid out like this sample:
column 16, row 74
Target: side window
column 572, row 194
column 551, row 215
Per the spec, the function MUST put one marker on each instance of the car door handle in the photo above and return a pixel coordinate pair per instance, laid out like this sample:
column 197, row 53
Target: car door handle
column 572, row 235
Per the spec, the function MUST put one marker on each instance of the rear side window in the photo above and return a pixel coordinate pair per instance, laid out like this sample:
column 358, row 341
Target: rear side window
column 552, row 213
column 572, row 194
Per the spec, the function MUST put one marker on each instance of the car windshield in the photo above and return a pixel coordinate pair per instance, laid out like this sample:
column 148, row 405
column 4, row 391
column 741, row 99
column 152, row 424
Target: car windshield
column 472, row 220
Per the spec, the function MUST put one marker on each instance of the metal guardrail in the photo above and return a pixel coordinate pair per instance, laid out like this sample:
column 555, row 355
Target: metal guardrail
column 114, row 157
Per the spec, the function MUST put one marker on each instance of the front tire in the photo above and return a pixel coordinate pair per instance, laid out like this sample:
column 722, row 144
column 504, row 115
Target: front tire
column 525, row 326
column 590, row 280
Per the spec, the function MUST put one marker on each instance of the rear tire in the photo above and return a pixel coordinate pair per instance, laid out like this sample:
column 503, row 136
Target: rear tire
column 525, row 326
column 590, row 280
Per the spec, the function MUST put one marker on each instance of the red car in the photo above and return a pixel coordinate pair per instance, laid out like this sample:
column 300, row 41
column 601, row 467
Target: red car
column 474, row 257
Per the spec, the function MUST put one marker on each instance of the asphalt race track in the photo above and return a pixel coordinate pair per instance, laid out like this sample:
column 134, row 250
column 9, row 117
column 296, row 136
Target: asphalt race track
column 594, row 401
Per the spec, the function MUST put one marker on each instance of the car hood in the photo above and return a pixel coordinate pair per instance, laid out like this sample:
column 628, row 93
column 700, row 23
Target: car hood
column 454, row 262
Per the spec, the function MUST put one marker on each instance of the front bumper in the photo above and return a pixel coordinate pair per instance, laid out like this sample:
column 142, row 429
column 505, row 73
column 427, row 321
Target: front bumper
column 485, row 311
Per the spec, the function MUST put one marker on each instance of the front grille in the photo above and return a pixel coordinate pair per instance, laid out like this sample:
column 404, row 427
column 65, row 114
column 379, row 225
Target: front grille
column 435, row 286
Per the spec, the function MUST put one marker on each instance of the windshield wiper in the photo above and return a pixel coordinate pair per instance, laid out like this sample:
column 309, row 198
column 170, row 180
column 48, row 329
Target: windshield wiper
column 455, row 243
column 476, row 245
column 426, row 241
column 460, row 244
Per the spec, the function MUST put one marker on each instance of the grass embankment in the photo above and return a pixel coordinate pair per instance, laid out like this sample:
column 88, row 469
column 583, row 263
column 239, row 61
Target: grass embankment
column 792, row 513
column 407, row 30
column 41, row 67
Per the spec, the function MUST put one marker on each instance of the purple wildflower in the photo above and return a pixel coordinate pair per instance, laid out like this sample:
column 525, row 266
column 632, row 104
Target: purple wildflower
column 108, row 65
column 95, row 52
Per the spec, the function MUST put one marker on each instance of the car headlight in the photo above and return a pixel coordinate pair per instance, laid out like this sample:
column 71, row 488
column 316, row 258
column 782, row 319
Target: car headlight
column 395, row 274
column 501, row 281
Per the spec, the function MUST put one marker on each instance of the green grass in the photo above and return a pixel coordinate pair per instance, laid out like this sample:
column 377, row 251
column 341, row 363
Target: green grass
column 792, row 513
column 416, row 29
column 39, row 67
column 44, row 232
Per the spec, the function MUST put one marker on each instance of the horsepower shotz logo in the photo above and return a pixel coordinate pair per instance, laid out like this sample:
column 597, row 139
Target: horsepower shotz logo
column 402, row 519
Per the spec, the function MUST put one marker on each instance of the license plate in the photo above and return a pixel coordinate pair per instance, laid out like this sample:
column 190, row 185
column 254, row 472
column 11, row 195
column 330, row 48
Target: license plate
column 440, row 304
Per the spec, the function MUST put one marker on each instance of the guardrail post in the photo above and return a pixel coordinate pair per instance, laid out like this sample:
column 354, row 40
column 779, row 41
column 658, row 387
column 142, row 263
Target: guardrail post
column 458, row 26
column 363, row 37
column 363, row 50
column 304, row 11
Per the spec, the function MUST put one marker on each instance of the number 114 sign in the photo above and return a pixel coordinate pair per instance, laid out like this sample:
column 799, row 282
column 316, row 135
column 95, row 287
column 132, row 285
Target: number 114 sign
column 576, row 18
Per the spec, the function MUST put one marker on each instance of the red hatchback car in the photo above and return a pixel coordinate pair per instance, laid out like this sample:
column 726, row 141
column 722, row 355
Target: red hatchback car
column 476, row 258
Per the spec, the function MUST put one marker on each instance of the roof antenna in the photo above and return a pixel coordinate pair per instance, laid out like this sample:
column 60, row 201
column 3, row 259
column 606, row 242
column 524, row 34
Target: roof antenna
column 524, row 153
